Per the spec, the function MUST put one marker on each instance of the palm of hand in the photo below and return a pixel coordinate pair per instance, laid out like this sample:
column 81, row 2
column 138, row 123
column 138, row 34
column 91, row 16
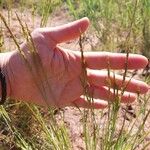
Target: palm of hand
column 62, row 85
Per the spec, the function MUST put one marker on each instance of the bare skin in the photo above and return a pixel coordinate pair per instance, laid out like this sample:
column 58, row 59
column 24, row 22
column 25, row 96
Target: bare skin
column 58, row 82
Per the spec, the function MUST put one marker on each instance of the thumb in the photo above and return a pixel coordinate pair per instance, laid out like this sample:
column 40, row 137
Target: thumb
column 66, row 32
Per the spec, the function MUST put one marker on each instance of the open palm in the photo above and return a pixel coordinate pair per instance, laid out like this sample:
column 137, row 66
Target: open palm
column 55, row 78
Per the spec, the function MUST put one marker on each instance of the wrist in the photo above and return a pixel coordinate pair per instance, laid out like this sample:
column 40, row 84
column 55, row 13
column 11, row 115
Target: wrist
column 4, row 62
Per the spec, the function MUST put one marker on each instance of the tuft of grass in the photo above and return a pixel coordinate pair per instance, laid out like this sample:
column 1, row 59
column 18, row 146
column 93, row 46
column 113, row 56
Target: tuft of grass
column 114, row 21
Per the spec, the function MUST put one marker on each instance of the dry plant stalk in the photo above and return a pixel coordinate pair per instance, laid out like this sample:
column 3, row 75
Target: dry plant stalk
column 85, row 83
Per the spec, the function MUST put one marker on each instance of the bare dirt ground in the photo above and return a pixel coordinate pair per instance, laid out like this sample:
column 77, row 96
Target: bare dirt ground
column 72, row 115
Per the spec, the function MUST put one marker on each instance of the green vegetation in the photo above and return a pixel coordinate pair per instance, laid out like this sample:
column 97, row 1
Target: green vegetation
column 122, row 26
column 117, row 24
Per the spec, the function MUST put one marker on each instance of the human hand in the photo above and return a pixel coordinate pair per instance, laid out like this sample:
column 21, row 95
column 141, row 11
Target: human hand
column 59, row 82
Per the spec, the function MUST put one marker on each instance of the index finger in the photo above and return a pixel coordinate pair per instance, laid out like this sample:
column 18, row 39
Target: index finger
column 105, row 60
